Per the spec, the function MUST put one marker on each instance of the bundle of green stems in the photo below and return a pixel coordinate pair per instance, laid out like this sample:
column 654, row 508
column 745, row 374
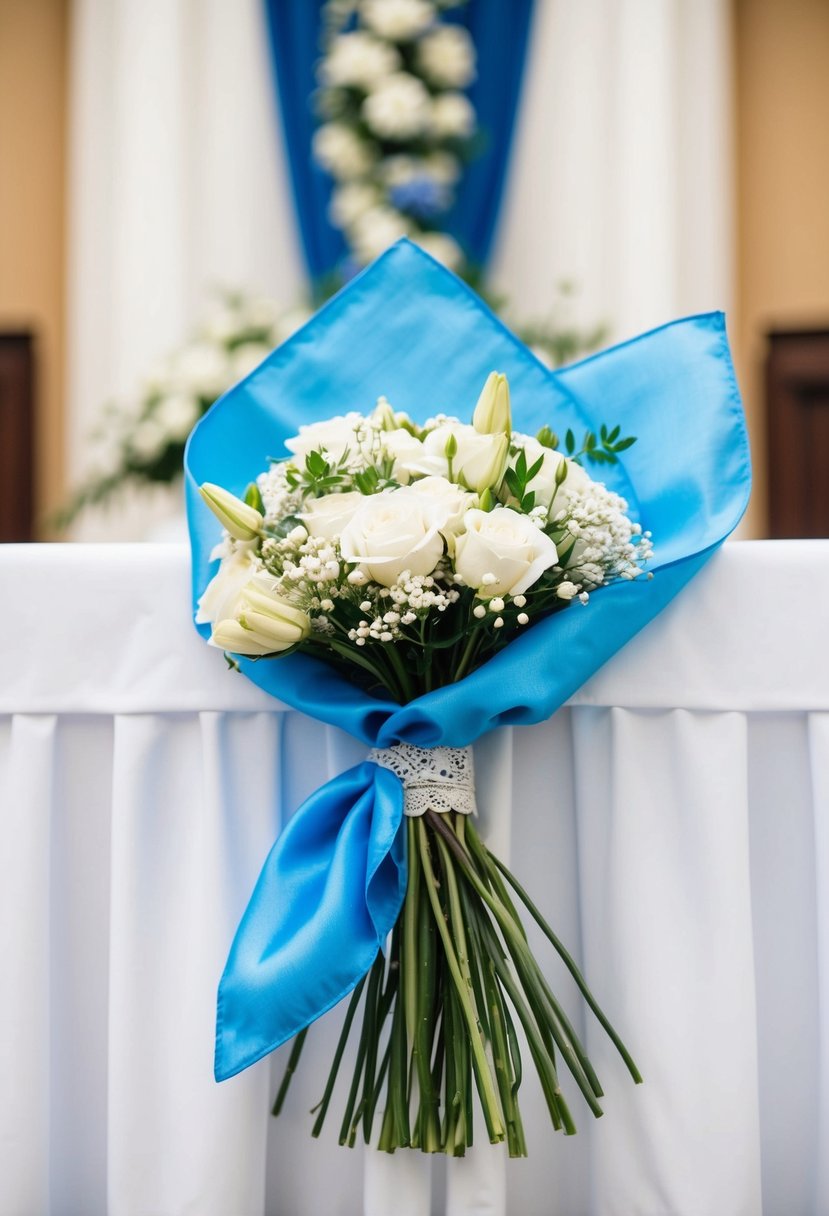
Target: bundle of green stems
column 442, row 1009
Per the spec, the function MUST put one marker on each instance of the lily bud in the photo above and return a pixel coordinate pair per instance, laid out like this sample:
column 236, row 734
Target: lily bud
column 242, row 521
column 384, row 414
column 232, row 636
column 486, row 470
column 272, row 617
column 492, row 413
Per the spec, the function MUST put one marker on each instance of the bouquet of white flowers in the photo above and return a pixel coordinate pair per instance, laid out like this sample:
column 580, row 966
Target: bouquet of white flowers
column 407, row 556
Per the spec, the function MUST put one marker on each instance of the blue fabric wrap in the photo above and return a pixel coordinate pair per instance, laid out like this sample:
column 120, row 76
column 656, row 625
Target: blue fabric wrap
column 409, row 329
column 500, row 33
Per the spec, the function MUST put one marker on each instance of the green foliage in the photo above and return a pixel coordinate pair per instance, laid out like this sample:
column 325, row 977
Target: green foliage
column 602, row 450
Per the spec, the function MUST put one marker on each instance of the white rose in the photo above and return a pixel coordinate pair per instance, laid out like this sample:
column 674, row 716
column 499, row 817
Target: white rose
column 332, row 436
column 223, row 590
column 247, row 357
column 260, row 312
column 442, row 248
column 398, row 108
column 398, row 20
column 454, row 500
column 453, row 116
column 399, row 170
column 478, row 462
column 374, row 231
column 328, row 516
column 405, row 450
column 203, row 369
column 443, row 167
column 149, row 440
column 505, row 544
column 358, row 59
column 395, row 531
column 350, row 202
column 289, row 322
column 543, row 484
column 341, row 151
column 446, row 56
column 178, row 414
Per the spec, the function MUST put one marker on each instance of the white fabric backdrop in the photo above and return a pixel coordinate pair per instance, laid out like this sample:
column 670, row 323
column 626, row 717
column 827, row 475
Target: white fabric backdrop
column 672, row 819
column 620, row 178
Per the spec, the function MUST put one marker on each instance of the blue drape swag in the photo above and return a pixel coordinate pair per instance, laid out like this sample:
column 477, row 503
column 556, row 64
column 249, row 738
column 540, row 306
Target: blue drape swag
column 500, row 31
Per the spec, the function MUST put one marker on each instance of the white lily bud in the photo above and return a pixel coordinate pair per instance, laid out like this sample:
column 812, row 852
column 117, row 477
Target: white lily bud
column 242, row 522
column 263, row 623
column 232, row 636
column 492, row 413
column 486, row 471
column 271, row 616
column 384, row 414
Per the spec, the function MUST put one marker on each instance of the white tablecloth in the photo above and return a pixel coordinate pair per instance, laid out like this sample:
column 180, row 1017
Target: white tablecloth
column 673, row 820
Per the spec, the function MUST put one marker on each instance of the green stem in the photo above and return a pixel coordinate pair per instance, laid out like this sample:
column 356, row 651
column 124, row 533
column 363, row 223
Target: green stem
column 338, row 1055
column 570, row 964
column 466, row 657
column 532, row 980
column 489, row 1099
column 290, row 1069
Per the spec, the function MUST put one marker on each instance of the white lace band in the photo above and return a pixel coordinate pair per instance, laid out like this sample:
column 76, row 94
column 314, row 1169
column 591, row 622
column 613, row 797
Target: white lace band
column 434, row 778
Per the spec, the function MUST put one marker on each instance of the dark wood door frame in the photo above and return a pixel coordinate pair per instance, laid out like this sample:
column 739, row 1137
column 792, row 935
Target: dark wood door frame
column 797, row 400
column 17, row 408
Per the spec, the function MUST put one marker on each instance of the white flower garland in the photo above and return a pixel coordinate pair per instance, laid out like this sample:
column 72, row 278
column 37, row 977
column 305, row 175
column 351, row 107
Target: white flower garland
column 396, row 126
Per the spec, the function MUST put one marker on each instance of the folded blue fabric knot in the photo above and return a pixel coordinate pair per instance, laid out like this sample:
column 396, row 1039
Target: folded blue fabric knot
column 332, row 887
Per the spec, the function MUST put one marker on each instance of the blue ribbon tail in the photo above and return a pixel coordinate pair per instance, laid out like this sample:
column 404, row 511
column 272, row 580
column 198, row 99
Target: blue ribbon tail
column 329, row 894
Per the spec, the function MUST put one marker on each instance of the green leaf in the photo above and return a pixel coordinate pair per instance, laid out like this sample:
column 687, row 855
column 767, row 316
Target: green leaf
column 316, row 464
column 253, row 498
column 280, row 530
column 570, row 442
column 624, row 444
column 534, row 470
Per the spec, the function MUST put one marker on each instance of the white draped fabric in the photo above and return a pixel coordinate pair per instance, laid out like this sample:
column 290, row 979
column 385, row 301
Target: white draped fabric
column 619, row 179
column 672, row 821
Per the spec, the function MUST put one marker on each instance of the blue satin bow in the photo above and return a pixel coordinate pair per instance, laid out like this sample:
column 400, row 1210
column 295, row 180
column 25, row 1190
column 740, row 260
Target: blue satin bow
column 333, row 885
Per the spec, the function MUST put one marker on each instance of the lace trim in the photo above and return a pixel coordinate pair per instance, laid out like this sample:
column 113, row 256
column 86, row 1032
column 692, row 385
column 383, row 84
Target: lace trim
column 433, row 778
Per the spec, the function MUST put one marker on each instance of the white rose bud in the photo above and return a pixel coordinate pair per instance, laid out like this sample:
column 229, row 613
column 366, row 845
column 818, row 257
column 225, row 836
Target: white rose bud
column 492, row 413
column 242, row 522
column 326, row 517
column 506, row 545
column 567, row 591
column 395, row 531
column 332, row 436
column 455, row 501
column 477, row 461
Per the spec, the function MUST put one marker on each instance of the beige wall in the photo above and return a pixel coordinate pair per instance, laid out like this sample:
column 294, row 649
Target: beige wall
column 782, row 83
column 32, row 145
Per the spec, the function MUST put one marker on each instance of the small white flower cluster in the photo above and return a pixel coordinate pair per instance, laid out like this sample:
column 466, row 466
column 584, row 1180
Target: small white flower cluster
column 395, row 78
column 412, row 597
column 606, row 543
